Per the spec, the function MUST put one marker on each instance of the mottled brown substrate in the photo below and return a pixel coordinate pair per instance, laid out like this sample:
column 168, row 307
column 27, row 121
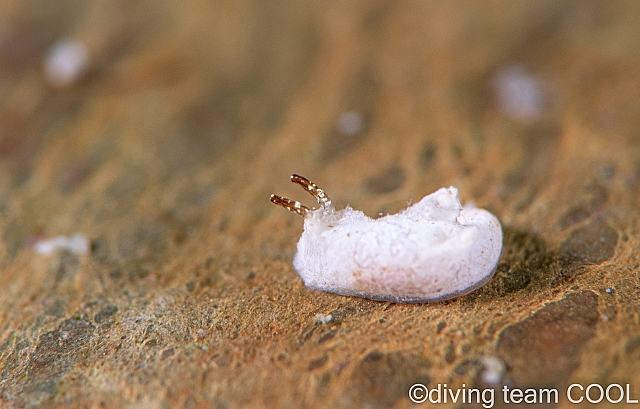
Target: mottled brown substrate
column 165, row 153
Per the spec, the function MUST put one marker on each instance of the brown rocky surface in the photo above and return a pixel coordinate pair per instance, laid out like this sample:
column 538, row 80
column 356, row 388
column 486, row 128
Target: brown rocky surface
column 164, row 154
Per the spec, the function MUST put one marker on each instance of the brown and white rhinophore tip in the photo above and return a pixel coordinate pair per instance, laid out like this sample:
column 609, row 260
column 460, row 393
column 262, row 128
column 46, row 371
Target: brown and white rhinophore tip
column 297, row 207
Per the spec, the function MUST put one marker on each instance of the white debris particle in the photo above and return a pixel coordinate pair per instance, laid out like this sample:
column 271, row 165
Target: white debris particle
column 77, row 244
column 322, row 319
column 65, row 62
column 519, row 93
column 493, row 370
column 350, row 123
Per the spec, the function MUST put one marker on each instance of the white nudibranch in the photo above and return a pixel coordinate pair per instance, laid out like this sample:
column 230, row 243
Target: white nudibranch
column 432, row 251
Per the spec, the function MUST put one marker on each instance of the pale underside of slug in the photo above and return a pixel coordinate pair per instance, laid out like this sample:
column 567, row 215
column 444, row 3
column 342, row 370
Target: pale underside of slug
column 432, row 251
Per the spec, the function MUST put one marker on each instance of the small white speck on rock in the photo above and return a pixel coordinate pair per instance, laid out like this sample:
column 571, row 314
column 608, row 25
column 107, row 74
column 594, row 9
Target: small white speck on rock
column 65, row 62
column 493, row 370
column 520, row 94
column 77, row 244
column 350, row 123
column 322, row 319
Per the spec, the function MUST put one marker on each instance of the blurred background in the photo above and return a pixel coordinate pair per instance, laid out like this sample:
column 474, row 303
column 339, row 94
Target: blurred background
column 156, row 131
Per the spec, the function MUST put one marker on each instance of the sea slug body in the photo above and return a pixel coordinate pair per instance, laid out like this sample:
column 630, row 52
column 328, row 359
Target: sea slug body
column 432, row 251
